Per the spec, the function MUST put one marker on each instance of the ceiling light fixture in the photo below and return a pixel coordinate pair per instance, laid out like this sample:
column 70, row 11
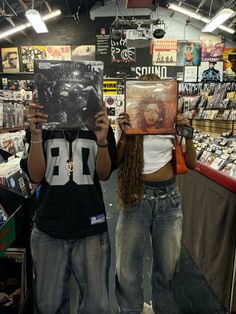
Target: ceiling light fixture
column 26, row 25
column 36, row 21
column 196, row 16
column 184, row 11
column 218, row 20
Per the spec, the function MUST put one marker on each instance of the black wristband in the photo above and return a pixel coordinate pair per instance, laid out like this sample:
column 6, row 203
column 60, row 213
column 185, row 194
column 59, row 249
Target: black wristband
column 100, row 145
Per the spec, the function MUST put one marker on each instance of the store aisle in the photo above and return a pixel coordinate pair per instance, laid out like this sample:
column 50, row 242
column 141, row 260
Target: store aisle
column 192, row 291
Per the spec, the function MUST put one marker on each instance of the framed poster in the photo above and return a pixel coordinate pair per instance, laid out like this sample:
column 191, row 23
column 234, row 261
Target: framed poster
column 229, row 62
column 211, row 71
column 151, row 106
column 189, row 52
column 29, row 53
column 83, row 52
column 212, row 48
column 164, row 52
column 58, row 52
column 10, row 60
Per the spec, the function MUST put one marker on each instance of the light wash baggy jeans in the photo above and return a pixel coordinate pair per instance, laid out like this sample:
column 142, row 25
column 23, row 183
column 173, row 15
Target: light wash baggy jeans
column 54, row 260
column 158, row 215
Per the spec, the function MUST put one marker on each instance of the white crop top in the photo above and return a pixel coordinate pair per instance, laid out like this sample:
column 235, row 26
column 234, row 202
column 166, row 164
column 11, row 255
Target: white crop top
column 157, row 152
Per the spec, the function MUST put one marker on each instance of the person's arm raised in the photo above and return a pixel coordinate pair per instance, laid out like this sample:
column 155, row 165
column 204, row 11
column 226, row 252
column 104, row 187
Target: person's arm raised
column 103, row 161
column 122, row 120
column 36, row 160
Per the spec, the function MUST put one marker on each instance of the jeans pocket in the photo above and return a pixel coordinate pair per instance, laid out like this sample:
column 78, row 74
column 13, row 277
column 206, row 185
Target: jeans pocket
column 175, row 199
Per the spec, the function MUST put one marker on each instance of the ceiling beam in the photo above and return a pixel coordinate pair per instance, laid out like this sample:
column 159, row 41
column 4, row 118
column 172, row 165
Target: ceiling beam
column 23, row 4
column 47, row 5
column 7, row 18
column 201, row 4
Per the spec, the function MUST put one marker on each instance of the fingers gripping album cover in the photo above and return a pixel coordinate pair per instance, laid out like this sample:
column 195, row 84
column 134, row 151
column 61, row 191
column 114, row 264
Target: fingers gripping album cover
column 70, row 91
column 152, row 106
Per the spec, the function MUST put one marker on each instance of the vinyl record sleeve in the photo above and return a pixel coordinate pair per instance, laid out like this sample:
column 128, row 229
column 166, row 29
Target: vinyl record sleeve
column 151, row 106
column 70, row 91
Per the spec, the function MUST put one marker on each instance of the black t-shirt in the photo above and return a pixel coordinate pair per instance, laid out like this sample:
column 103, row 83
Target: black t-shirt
column 70, row 206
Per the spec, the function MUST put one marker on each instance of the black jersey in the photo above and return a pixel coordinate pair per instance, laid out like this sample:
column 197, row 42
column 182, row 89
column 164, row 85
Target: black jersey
column 70, row 205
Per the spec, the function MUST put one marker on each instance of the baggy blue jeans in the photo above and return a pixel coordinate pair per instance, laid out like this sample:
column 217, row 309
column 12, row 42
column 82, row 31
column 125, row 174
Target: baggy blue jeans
column 157, row 217
column 54, row 260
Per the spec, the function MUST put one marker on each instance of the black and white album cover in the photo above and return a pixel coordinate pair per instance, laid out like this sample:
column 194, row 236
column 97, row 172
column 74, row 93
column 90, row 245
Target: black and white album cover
column 70, row 91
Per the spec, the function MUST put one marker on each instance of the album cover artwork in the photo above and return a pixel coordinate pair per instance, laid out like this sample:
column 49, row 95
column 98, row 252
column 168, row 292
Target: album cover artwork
column 7, row 145
column 225, row 114
column 164, row 52
column 212, row 48
column 58, row 52
column 232, row 115
column 229, row 169
column 188, row 52
column 190, row 73
column 210, row 72
column 70, row 91
column 29, row 53
column 83, row 52
column 152, row 106
column 4, row 84
column 17, row 183
column 10, row 60
column 229, row 63
column 13, row 280
column 217, row 163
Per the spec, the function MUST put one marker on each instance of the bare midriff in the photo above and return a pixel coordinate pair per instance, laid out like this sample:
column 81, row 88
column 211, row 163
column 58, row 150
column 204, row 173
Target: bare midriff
column 165, row 173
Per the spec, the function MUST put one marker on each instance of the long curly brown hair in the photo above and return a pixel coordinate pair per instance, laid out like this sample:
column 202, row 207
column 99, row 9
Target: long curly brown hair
column 129, row 180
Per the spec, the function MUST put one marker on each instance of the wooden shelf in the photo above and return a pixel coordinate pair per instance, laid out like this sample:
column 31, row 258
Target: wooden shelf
column 17, row 128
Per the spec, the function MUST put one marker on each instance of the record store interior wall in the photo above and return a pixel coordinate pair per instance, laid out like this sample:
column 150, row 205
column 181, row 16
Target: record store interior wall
column 86, row 31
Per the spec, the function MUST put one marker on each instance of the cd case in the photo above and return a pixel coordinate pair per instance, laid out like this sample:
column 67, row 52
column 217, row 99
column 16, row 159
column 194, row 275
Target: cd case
column 151, row 106
column 70, row 91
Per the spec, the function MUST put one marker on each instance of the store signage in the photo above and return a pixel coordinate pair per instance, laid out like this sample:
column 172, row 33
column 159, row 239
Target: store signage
column 164, row 72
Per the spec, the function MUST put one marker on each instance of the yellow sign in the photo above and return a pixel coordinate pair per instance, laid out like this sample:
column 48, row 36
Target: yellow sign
column 110, row 87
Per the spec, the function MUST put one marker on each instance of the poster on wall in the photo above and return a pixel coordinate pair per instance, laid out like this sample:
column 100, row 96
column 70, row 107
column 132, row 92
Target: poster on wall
column 58, row 52
column 113, row 97
column 188, row 52
column 164, row 72
column 190, row 73
column 29, row 53
column 83, row 52
column 151, row 106
column 212, row 48
column 120, row 52
column 229, row 62
column 211, row 71
column 164, row 52
column 10, row 60
column 103, row 41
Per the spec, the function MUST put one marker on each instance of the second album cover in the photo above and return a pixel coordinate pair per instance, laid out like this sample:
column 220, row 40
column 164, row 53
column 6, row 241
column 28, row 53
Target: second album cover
column 70, row 91
column 152, row 106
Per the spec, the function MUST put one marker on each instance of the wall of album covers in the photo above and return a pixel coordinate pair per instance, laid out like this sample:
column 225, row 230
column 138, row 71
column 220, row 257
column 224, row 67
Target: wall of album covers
column 202, row 59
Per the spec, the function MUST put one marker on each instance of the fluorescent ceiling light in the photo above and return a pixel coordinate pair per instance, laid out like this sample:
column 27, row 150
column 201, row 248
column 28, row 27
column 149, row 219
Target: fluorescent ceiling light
column 36, row 21
column 26, row 25
column 184, row 11
column 51, row 15
column 218, row 20
column 196, row 16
